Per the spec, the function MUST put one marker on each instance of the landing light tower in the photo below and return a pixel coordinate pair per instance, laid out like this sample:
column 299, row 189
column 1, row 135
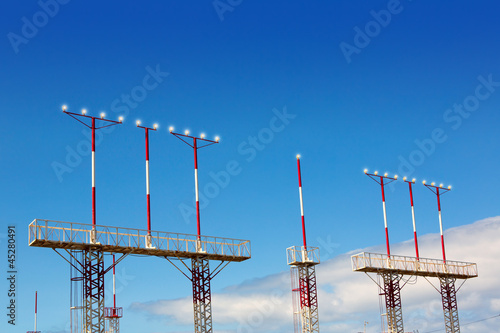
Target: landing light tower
column 303, row 261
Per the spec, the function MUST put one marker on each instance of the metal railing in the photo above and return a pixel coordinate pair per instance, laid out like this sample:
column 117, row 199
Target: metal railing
column 298, row 254
column 134, row 239
column 374, row 261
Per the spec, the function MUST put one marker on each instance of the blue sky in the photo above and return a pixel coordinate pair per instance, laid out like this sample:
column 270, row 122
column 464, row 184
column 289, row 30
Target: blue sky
column 237, row 73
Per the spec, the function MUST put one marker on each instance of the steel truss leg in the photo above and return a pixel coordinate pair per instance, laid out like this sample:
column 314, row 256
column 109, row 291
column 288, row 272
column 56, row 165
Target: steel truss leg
column 202, row 297
column 450, row 308
column 113, row 325
column 93, row 279
column 392, row 293
column 308, row 298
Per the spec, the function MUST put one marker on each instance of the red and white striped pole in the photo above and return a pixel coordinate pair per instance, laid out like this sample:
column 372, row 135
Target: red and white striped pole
column 114, row 287
column 380, row 180
column 147, row 182
column 195, row 145
column 413, row 215
column 93, row 128
column 301, row 204
column 36, row 302
column 385, row 217
column 440, row 224
column 93, row 175
column 147, row 129
column 436, row 190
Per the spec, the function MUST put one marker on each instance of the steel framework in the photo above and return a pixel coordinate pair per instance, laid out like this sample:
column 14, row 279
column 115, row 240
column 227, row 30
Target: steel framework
column 393, row 268
column 93, row 278
column 202, row 297
column 76, row 292
column 200, row 270
column 113, row 314
column 93, row 261
column 450, row 306
column 297, row 320
column 304, row 261
column 392, row 293
column 308, row 298
column 200, row 249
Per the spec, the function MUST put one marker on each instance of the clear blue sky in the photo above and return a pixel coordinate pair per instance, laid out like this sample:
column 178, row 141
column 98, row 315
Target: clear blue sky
column 231, row 70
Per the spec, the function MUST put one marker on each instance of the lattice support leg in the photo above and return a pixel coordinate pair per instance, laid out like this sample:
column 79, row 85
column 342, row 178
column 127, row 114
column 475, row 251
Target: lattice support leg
column 202, row 298
column 392, row 292
column 297, row 320
column 113, row 325
column 308, row 298
column 450, row 307
column 93, row 280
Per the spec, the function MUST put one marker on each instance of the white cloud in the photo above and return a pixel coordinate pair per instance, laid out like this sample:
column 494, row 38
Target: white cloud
column 347, row 299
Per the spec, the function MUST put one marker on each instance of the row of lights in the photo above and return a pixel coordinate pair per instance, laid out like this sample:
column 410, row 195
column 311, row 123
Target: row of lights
column 138, row 123
column 404, row 178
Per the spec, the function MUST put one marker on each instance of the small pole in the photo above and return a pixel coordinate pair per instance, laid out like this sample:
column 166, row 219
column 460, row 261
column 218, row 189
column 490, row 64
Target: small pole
column 195, row 146
column 36, row 301
column 439, row 190
column 413, row 215
column 440, row 224
column 301, row 204
column 380, row 180
column 198, row 227
column 146, row 130
column 93, row 127
column 385, row 217
column 93, row 175
column 114, row 287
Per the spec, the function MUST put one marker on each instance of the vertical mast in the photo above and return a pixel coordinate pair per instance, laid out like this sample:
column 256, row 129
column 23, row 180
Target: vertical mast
column 301, row 204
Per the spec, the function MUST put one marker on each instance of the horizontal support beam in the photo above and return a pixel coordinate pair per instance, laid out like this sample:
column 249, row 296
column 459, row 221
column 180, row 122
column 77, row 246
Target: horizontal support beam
column 381, row 263
column 78, row 236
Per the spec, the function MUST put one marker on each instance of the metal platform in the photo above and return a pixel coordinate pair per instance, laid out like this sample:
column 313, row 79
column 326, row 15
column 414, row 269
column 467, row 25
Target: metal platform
column 381, row 263
column 298, row 255
column 79, row 236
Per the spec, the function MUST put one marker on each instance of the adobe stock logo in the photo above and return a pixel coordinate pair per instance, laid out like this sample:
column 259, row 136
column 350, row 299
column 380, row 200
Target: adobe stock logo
column 454, row 117
column 373, row 28
column 223, row 6
column 30, row 28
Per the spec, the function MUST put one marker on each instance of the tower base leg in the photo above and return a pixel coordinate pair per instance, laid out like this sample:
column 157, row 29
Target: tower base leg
column 113, row 325
column 392, row 292
column 450, row 308
column 308, row 299
column 202, row 298
column 93, row 280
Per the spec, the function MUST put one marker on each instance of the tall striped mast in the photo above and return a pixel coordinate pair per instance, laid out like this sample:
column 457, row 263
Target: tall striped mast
column 148, row 200
column 380, row 180
column 92, row 126
column 438, row 191
column 410, row 183
column 301, row 204
column 195, row 146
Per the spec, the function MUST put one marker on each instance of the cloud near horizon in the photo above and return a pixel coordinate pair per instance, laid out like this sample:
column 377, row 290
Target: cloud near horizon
column 347, row 299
